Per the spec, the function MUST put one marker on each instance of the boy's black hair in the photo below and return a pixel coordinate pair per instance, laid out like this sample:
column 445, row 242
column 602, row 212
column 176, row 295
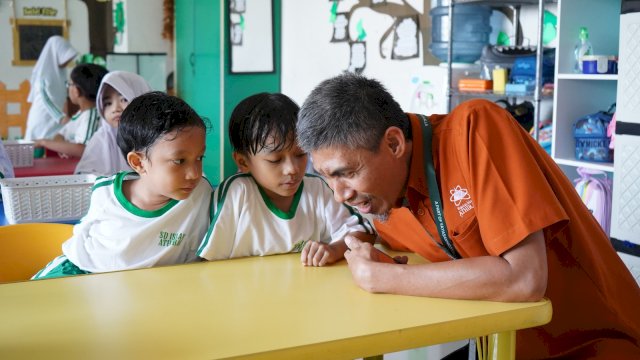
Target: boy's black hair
column 150, row 116
column 261, row 118
column 87, row 78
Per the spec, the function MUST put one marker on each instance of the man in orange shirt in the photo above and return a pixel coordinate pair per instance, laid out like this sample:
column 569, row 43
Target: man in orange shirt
column 472, row 186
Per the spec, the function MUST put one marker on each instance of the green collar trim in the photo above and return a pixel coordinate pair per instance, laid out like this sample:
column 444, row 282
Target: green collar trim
column 277, row 212
column 117, row 188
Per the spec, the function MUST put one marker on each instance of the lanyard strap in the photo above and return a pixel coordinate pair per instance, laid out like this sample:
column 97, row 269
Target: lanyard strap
column 434, row 191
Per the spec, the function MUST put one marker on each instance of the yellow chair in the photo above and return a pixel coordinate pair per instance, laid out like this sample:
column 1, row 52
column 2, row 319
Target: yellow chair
column 27, row 248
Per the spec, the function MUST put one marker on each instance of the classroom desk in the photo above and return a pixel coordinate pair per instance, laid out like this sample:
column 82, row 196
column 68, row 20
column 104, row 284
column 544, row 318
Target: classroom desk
column 53, row 165
column 261, row 307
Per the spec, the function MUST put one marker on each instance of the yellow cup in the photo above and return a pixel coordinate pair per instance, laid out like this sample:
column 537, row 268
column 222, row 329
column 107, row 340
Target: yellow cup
column 499, row 80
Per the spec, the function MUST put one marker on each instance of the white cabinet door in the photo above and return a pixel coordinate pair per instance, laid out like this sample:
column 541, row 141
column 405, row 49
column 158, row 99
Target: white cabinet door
column 625, row 221
column 628, row 102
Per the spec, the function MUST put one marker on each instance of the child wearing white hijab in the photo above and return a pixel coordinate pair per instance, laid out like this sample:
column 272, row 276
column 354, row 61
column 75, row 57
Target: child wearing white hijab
column 102, row 156
column 48, row 93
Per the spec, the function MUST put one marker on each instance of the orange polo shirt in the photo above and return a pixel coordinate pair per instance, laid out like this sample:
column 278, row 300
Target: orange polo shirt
column 497, row 186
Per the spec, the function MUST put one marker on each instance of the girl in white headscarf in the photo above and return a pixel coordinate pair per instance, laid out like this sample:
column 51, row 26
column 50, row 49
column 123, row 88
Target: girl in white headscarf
column 48, row 92
column 102, row 155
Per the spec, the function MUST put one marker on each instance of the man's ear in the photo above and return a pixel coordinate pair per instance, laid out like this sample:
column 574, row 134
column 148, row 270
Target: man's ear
column 394, row 141
column 241, row 161
column 135, row 161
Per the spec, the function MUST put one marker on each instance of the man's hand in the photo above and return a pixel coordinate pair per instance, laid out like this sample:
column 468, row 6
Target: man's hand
column 364, row 259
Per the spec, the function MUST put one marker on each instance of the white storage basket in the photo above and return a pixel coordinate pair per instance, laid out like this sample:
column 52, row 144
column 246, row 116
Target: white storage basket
column 46, row 198
column 20, row 152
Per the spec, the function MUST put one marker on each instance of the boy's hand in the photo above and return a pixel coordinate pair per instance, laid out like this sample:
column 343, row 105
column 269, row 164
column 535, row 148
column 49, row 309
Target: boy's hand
column 318, row 254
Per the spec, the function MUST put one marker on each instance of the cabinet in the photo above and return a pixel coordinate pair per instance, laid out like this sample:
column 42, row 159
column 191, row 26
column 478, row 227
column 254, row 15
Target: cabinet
column 515, row 4
column 580, row 94
column 625, row 224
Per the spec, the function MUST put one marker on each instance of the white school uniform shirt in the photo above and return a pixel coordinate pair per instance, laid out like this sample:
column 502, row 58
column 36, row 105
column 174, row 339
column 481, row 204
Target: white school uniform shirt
column 116, row 235
column 48, row 92
column 81, row 127
column 102, row 156
column 246, row 223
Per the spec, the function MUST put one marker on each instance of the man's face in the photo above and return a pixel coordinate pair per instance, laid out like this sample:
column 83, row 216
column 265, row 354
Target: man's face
column 368, row 181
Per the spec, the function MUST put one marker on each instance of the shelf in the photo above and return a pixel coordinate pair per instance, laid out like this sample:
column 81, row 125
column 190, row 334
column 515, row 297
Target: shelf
column 489, row 94
column 611, row 77
column 586, row 164
column 501, row 2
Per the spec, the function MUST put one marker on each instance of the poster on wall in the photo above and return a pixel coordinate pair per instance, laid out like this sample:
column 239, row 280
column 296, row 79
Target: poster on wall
column 251, row 36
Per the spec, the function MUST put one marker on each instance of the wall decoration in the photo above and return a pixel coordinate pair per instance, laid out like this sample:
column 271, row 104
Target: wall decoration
column 251, row 36
column 405, row 38
column 358, row 60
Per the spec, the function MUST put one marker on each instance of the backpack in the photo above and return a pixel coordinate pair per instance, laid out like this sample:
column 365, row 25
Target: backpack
column 592, row 140
column 595, row 192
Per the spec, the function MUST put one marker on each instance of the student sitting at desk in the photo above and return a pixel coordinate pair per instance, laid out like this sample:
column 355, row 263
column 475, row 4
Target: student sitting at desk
column 272, row 207
column 155, row 217
column 102, row 155
column 82, row 90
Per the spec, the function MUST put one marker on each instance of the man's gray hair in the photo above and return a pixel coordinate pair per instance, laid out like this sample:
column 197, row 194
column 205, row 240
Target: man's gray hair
column 349, row 111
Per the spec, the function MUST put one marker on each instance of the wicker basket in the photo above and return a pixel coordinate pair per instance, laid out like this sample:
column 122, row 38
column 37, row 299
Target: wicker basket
column 20, row 152
column 46, row 198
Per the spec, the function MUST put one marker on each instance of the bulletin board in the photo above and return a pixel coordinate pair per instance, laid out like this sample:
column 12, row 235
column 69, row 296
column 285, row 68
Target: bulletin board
column 30, row 35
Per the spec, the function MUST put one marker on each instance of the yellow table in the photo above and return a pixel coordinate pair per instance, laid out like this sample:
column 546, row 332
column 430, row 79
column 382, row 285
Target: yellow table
column 271, row 308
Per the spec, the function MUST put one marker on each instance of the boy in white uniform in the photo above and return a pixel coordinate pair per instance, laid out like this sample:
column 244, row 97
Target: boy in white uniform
column 155, row 217
column 272, row 207
column 82, row 89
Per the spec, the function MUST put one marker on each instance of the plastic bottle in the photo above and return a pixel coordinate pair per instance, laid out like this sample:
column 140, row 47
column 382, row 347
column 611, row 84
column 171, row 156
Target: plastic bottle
column 423, row 100
column 583, row 47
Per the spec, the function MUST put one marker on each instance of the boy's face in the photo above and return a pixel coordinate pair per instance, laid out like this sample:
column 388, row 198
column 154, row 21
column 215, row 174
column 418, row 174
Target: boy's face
column 173, row 167
column 113, row 105
column 73, row 92
column 279, row 173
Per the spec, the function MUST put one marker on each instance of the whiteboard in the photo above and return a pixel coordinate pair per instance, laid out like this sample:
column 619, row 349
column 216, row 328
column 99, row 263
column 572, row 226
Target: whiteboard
column 309, row 56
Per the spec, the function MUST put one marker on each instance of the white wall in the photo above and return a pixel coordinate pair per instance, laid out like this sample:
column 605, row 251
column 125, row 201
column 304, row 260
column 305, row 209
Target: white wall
column 77, row 13
column 143, row 27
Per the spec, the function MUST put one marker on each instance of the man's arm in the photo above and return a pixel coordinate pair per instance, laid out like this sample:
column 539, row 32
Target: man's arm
column 519, row 274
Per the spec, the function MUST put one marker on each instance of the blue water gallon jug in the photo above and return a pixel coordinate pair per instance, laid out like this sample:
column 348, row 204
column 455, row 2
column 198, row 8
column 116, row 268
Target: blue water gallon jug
column 471, row 30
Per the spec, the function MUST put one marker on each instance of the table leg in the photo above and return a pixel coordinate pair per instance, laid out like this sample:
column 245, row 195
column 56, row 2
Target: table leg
column 502, row 346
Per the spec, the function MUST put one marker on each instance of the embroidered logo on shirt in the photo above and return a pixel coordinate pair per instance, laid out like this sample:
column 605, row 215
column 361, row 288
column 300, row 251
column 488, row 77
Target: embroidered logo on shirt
column 170, row 239
column 297, row 247
column 461, row 199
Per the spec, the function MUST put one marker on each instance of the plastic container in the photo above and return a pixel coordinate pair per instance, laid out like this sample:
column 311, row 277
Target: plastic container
column 612, row 65
column 46, row 198
column 583, row 47
column 20, row 152
column 471, row 30
column 595, row 64
column 499, row 80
